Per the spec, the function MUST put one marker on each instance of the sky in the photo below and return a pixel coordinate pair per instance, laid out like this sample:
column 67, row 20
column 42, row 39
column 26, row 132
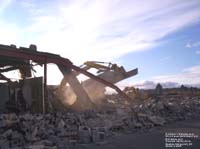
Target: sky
column 160, row 38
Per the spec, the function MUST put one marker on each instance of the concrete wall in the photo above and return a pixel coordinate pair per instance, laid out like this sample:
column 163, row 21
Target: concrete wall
column 4, row 96
column 32, row 91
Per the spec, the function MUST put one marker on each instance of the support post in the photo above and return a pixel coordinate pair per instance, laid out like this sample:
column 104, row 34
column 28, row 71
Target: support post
column 45, row 89
column 82, row 96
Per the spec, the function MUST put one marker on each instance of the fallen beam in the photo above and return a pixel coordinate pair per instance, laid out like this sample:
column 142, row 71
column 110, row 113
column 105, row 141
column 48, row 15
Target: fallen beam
column 106, row 83
column 82, row 96
column 44, row 57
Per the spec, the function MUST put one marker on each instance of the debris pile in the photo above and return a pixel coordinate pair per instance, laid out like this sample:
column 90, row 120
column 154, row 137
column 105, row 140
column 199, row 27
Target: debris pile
column 49, row 130
column 62, row 130
column 168, row 109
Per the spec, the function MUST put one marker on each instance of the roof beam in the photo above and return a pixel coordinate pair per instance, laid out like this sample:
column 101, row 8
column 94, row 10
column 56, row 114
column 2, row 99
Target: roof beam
column 2, row 77
column 8, row 69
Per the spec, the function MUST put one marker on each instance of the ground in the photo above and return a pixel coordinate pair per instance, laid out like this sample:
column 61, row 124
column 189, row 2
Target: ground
column 154, row 138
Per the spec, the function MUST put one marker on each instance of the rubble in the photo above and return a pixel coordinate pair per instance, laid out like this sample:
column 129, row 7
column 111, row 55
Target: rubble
column 75, row 115
column 72, row 129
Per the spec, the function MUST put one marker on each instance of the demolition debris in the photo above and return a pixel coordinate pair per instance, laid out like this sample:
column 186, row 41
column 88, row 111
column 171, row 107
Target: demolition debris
column 35, row 88
column 74, row 129
column 37, row 116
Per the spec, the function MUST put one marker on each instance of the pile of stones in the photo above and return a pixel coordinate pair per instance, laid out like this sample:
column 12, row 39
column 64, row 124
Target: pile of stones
column 75, row 129
column 56, row 130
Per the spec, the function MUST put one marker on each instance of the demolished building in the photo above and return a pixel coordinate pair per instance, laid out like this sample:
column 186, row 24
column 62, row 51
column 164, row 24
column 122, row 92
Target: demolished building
column 79, row 129
column 31, row 93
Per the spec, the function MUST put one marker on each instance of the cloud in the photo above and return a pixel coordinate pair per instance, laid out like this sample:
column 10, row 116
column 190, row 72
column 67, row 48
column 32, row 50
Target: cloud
column 105, row 30
column 97, row 30
column 146, row 85
column 192, row 44
column 9, row 34
column 4, row 4
column 152, row 85
column 187, row 76
column 198, row 52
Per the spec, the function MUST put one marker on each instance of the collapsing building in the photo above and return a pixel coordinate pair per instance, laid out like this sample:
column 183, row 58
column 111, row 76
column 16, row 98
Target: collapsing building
column 30, row 93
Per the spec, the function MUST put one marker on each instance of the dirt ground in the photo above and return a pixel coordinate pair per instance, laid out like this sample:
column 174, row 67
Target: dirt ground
column 155, row 138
